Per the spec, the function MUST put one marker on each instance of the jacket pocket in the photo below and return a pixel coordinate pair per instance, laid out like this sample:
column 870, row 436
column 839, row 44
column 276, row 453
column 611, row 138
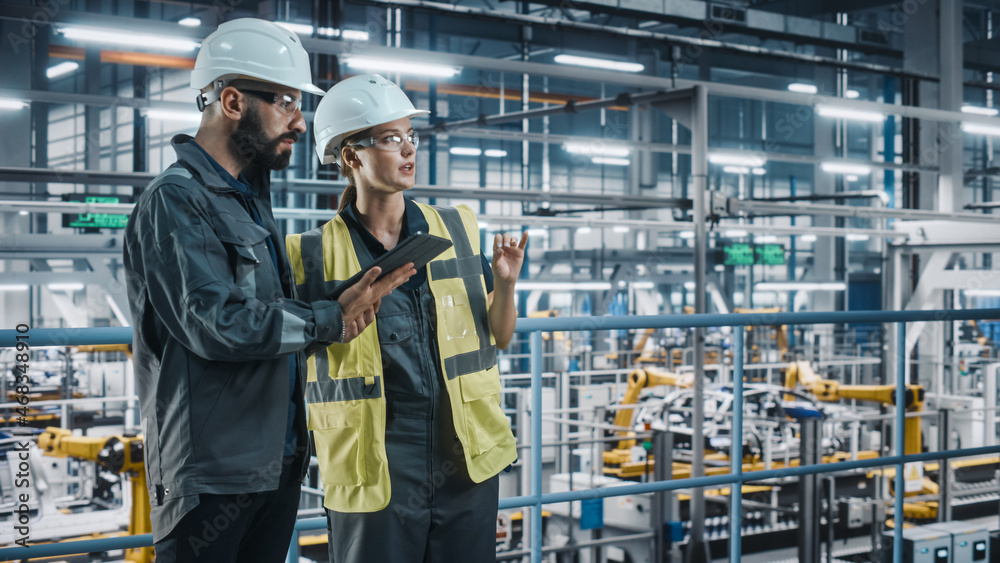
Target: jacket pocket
column 246, row 246
column 485, row 422
column 342, row 437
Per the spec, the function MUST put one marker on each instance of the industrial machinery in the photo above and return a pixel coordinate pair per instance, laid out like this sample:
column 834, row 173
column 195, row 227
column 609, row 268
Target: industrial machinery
column 118, row 455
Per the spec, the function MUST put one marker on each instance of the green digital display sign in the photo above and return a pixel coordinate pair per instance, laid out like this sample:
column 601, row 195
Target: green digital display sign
column 737, row 255
column 770, row 254
column 94, row 220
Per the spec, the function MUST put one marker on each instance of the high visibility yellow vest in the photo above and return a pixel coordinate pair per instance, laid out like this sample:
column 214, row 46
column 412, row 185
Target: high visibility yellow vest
column 344, row 388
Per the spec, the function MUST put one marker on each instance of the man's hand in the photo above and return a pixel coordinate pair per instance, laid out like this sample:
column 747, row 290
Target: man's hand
column 360, row 302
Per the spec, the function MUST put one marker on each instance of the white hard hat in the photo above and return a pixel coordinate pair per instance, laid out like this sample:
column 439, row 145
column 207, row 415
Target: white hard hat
column 354, row 105
column 250, row 48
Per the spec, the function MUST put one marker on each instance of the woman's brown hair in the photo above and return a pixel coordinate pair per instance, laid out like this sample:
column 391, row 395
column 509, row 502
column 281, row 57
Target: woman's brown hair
column 351, row 191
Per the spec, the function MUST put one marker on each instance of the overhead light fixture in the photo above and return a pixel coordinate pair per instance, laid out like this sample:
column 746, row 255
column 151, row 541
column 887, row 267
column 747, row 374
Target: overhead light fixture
column 14, row 287
column 744, row 158
column 979, row 110
column 846, row 168
column 563, row 286
column 538, row 233
column 802, row 88
column 759, row 171
column 720, row 268
column 808, row 238
column 172, row 115
column 61, row 69
column 583, row 230
column 348, row 34
column 851, row 178
column 765, row 239
column 849, row 113
column 402, row 67
column 7, row 103
column 689, row 285
column 597, row 148
column 855, row 237
column 852, row 94
column 103, row 35
column 736, row 169
column 643, row 285
column 190, row 21
column 23, row 212
column 979, row 129
column 495, row 153
column 800, row 286
column 598, row 63
column 736, row 233
column 297, row 28
column 465, row 151
column 621, row 229
column 982, row 292
column 484, row 225
column 65, row 286
column 686, row 234
column 610, row 161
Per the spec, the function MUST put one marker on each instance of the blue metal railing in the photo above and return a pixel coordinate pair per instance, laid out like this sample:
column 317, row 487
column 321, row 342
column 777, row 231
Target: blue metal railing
column 735, row 479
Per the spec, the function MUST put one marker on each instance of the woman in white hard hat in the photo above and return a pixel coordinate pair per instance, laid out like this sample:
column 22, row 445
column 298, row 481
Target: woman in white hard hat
column 407, row 418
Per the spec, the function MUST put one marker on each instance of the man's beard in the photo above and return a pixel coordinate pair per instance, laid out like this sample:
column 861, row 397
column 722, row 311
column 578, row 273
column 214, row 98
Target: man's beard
column 253, row 145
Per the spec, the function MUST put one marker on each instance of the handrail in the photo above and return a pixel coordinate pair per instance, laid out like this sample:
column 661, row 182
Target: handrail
column 123, row 335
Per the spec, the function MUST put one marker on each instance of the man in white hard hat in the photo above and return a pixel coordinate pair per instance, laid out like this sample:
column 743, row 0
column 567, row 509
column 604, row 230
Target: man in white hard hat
column 220, row 340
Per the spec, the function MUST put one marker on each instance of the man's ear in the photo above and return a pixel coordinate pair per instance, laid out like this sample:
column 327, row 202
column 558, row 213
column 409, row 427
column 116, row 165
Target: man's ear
column 232, row 103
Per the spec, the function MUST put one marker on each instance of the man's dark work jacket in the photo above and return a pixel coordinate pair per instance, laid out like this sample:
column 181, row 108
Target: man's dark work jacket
column 214, row 329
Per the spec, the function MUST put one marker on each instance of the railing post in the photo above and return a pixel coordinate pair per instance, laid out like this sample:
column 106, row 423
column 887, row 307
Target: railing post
column 536, row 447
column 293, row 548
column 897, row 538
column 736, row 451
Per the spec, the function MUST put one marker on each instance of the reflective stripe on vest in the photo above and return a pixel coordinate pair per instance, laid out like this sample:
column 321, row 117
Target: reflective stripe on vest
column 344, row 386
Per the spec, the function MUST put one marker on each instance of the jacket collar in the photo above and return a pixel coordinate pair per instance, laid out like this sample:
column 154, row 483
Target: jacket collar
column 196, row 160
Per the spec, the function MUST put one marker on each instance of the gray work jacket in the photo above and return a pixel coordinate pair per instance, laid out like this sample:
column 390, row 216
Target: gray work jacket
column 213, row 334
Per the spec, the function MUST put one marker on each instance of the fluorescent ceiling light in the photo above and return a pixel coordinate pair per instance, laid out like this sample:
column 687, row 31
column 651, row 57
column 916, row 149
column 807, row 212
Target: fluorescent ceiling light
column 643, row 285
column 484, row 225
column 849, row 113
column 172, row 115
column 7, row 103
column 402, row 67
column 979, row 110
column 599, row 63
column 855, row 237
column 743, row 158
column 104, row 35
column 982, row 292
column 190, row 21
column 736, row 233
column 610, row 161
column 465, row 151
column 14, row 287
column 297, row 28
column 720, row 268
column 562, row 286
column 583, row 230
column 851, row 94
column 808, row 238
column 800, row 286
column 979, row 129
column 688, row 285
column 61, row 69
column 538, row 233
column 765, row 239
column 759, row 171
column 736, row 169
column 65, row 286
column 620, row 229
column 803, row 88
column 686, row 234
column 354, row 35
column 851, row 177
column 846, row 168
column 597, row 148
column 495, row 153
column 22, row 212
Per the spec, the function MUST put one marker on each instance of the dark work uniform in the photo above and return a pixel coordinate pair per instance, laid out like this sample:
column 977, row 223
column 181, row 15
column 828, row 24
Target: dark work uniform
column 436, row 513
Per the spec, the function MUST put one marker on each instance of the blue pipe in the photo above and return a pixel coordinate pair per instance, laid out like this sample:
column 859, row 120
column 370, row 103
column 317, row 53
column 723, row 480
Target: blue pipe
column 897, row 537
column 536, row 446
column 736, row 452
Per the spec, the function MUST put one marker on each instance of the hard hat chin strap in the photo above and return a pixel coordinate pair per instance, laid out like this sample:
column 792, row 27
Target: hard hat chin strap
column 208, row 98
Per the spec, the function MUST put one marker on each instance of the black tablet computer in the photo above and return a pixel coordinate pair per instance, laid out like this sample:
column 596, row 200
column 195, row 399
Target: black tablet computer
column 419, row 248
